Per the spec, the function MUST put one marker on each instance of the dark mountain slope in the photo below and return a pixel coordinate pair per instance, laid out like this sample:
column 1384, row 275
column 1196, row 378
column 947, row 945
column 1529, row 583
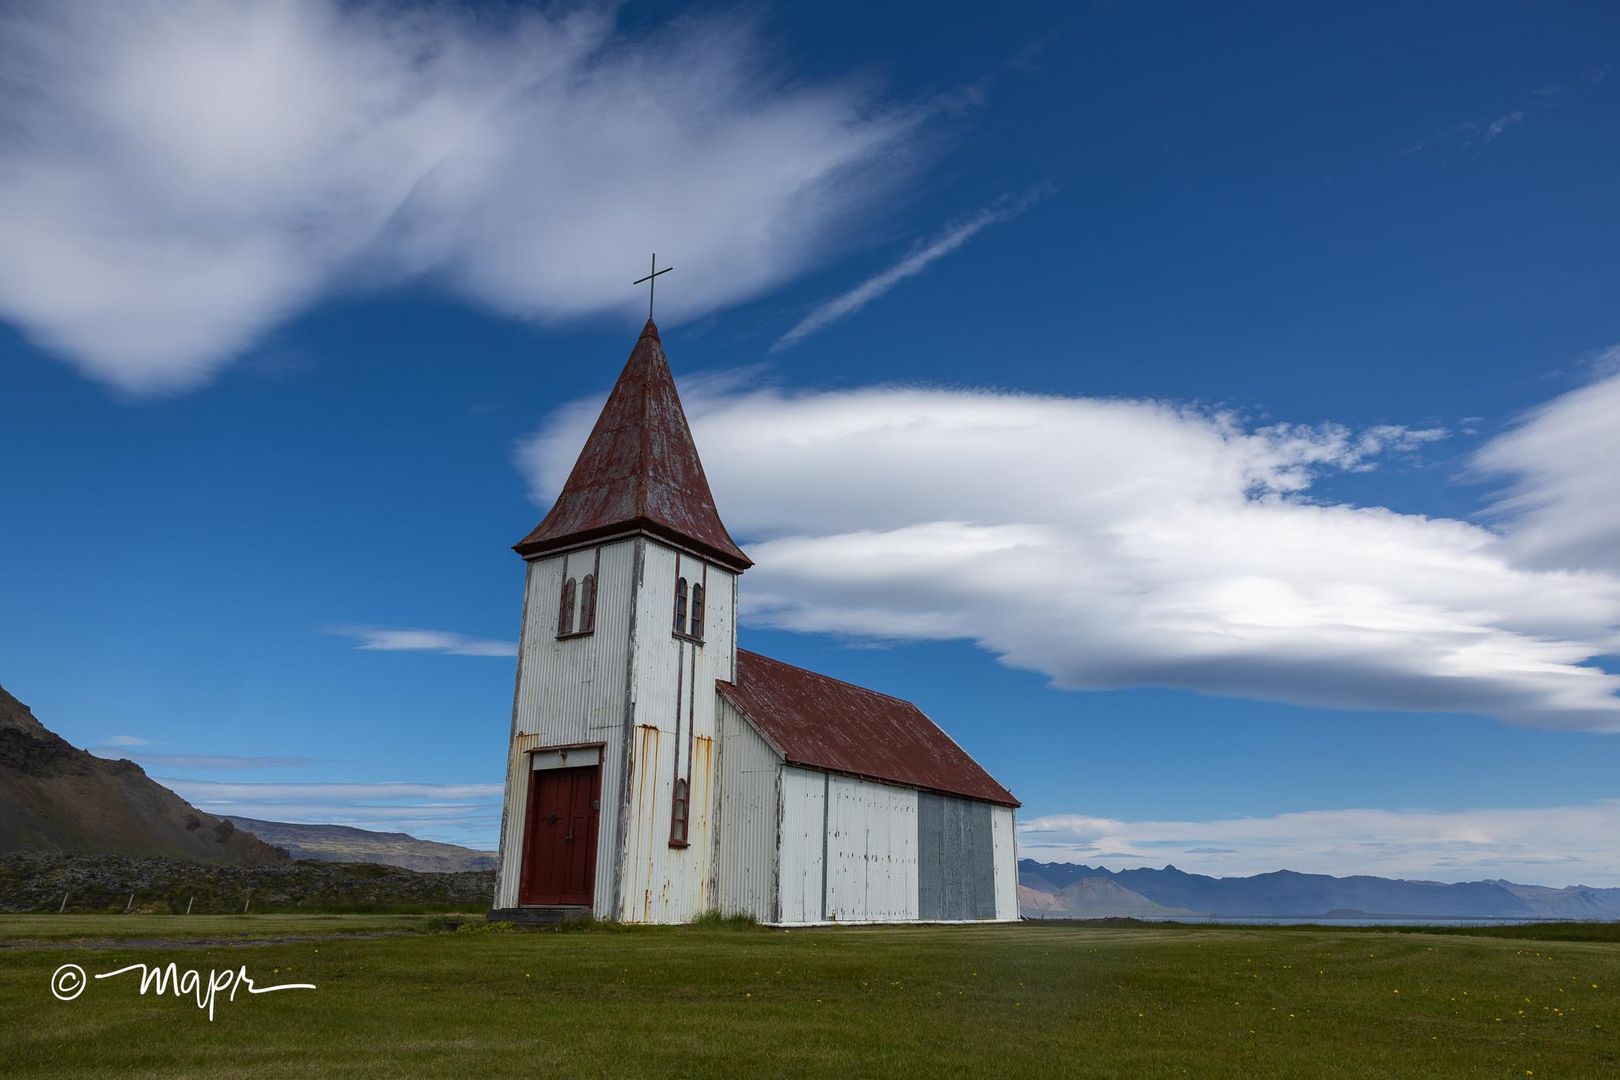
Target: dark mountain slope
column 55, row 797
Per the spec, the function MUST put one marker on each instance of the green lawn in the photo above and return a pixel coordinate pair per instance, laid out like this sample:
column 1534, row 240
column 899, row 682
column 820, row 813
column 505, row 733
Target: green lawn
column 1025, row 1000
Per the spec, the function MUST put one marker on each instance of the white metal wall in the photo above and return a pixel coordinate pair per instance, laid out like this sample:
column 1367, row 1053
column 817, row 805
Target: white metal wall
column 571, row 690
column 1006, row 856
column 803, row 817
column 848, row 849
column 672, row 683
column 871, row 851
column 745, row 827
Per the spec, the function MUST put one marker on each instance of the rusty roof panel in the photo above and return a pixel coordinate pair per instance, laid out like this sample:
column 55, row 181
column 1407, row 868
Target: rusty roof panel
column 639, row 470
column 825, row 723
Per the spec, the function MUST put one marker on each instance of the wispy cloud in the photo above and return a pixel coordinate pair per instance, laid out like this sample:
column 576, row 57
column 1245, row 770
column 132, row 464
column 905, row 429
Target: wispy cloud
column 386, row 639
column 1502, row 123
column 454, row 813
column 930, row 252
column 213, row 762
column 1452, row 845
column 358, row 791
column 177, row 177
column 1562, row 503
column 126, row 740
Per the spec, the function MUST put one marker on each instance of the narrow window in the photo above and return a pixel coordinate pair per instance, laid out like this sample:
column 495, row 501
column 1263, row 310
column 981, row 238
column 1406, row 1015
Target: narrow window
column 587, row 604
column 680, row 606
column 697, row 611
column 677, row 820
column 565, row 609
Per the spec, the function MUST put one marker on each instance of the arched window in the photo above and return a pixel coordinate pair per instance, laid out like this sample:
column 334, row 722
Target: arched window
column 587, row 604
column 697, row 611
column 678, row 815
column 565, row 609
column 680, row 606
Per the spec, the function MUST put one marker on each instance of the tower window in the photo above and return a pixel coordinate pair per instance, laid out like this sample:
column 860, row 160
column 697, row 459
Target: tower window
column 679, row 811
column 697, row 611
column 565, row 609
column 680, row 606
column 587, row 604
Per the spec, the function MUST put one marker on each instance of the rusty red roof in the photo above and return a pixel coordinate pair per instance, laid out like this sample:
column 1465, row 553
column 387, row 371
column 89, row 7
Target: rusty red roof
column 639, row 470
column 826, row 723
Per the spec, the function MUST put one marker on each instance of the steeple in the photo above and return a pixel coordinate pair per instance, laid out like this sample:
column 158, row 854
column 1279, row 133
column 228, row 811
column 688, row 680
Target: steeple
column 639, row 471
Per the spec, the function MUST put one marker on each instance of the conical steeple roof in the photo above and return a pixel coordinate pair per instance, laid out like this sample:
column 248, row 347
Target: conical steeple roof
column 639, row 471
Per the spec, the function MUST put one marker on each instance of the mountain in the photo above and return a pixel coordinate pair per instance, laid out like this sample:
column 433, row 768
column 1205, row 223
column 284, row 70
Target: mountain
column 55, row 797
column 1089, row 898
column 341, row 843
column 1286, row 894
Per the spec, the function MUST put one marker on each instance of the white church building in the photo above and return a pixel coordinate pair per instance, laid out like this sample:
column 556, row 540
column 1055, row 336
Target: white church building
column 657, row 772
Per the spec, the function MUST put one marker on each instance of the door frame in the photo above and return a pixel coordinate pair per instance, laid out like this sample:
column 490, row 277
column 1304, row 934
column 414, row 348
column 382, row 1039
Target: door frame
column 543, row 759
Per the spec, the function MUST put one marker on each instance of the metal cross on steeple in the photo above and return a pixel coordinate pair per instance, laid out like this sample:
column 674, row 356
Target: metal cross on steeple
column 652, row 282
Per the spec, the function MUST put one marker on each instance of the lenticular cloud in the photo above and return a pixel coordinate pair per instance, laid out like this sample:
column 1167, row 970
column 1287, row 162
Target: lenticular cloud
column 1111, row 543
column 176, row 178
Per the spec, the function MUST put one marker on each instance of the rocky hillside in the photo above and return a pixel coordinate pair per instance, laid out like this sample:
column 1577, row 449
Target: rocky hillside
column 38, row 881
column 55, row 797
column 341, row 843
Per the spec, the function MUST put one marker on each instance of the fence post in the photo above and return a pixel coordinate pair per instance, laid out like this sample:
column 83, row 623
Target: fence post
column 130, row 904
column 189, row 903
column 64, row 904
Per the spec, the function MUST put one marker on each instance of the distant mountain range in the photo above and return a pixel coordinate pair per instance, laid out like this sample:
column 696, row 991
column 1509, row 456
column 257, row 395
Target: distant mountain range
column 55, row 797
column 341, row 843
column 1068, row 890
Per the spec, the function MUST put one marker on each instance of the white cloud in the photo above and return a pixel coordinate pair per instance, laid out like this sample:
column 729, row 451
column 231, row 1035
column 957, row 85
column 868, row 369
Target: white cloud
column 1502, row 123
column 1451, row 845
column 1112, row 543
column 212, row 762
column 467, row 814
column 176, row 178
column 847, row 304
column 384, row 639
column 358, row 792
column 126, row 740
column 1562, row 506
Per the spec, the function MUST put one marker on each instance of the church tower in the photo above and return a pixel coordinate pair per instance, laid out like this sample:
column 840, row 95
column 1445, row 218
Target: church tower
column 629, row 622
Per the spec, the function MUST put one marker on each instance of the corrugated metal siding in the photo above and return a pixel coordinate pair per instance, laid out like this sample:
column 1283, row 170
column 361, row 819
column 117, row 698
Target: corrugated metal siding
column 1006, row 853
column 571, row 691
column 673, row 705
column 955, row 858
column 803, row 831
column 871, row 851
column 745, row 850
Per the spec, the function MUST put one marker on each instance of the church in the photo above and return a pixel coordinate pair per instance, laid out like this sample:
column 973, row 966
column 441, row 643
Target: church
column 657, row 772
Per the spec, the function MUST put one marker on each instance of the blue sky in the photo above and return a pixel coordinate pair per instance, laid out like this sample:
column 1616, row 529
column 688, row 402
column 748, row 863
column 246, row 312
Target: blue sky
column 1209, row 417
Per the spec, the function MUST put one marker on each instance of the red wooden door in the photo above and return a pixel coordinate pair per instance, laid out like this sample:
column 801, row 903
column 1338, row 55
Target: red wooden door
column 559, row 838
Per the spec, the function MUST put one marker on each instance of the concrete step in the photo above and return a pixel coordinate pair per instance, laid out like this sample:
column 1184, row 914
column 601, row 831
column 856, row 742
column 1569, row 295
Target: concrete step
column 539, row 915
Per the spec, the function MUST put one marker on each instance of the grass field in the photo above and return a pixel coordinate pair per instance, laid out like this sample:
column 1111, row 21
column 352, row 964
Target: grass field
column 1027, row 1000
